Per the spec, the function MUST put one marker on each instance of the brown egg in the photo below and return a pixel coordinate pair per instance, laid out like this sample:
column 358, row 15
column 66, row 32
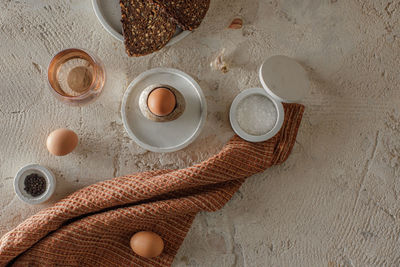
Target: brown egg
column 161, row 101
column 61, row 142
column 147, row 244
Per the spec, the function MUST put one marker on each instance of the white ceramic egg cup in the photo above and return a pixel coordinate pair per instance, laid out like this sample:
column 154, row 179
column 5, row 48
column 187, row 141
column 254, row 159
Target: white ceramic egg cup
column 109, row 14
column 284, row 80
column 40, row 170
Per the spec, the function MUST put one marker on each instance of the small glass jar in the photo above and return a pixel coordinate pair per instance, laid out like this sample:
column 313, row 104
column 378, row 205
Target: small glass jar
column 76, row 77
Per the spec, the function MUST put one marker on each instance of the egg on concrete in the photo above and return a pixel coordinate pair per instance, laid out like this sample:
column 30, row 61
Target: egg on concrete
column 62, row 142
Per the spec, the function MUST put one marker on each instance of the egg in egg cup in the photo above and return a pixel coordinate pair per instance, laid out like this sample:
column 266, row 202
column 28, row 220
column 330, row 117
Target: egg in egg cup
column 161, row 103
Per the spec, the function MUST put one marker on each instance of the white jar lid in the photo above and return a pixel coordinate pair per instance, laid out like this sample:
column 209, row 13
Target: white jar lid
column 284, row 79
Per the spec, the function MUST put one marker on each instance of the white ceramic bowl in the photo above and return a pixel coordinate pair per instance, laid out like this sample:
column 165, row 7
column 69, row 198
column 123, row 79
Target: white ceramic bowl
column 256, row 138
column 40, row 170
column 108, row 13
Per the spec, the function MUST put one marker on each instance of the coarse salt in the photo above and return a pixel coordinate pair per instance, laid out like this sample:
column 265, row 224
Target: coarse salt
column 256, row 115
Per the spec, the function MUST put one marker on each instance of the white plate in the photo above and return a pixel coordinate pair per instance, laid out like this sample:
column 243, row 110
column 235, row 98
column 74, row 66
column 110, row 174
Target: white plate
column 109, row 14
column 235, row 124
column 164, row 136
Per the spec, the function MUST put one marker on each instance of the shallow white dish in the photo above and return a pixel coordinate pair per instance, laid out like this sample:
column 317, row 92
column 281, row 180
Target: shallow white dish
column 42, row 171
column 108, row 13
column 235, row 124
column 164, row 136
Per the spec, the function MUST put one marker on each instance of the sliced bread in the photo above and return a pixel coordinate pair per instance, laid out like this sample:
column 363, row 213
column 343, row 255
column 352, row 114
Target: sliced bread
column 188, row 14
column 146, row 28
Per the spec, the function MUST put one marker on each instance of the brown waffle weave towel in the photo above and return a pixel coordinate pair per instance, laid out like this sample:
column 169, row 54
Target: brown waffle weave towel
column 93, row 226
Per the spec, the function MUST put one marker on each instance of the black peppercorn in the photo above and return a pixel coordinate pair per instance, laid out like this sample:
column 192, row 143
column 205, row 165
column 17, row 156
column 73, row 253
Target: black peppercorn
column 35, row 185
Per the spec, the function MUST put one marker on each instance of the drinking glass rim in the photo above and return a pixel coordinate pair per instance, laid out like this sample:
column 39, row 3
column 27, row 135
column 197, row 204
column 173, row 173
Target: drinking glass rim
column 88, row 92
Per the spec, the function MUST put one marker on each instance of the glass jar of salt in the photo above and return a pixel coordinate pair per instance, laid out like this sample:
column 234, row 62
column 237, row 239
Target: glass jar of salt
column 257, row 114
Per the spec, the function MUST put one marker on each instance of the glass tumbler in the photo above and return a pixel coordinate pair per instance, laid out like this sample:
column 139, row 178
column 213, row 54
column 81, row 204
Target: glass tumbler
column 76, row 77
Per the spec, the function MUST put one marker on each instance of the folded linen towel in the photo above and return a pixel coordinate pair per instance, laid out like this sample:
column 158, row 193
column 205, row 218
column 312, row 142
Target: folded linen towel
column 93, row 226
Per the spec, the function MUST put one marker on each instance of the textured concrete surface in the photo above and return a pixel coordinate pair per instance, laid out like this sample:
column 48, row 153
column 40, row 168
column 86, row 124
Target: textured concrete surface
column 335, row 201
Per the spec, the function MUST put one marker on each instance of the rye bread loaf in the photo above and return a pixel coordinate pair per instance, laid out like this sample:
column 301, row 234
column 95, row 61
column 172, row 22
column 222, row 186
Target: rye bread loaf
column 146, row 28
column 188, row 14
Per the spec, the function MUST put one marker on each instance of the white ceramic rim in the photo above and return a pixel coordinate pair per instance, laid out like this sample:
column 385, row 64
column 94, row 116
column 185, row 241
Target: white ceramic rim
column 195, row 134
column 119, row 36
column 235, row 124
column 48, row 175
